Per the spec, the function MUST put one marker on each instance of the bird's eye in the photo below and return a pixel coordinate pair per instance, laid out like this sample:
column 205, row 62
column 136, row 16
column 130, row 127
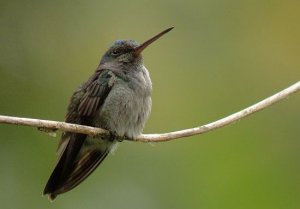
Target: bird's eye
column 116, row 52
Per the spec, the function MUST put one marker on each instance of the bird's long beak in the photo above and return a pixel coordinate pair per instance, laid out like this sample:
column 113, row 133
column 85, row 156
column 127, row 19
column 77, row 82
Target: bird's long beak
column 139, row 49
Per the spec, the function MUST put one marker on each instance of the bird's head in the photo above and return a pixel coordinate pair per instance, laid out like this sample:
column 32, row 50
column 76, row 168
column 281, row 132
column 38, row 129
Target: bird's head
column 128, row 51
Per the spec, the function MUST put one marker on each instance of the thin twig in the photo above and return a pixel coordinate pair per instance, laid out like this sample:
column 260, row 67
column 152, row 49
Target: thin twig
column 52, row 125
column 224, row 121
column 55, row 125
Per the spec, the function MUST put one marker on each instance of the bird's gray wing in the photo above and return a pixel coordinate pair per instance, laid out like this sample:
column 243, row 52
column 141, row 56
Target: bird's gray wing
column 86, row 101
column 75, row 163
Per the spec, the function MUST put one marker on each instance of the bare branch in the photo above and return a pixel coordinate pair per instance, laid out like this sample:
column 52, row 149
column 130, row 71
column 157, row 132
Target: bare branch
column 224, row 121
column 54, row 125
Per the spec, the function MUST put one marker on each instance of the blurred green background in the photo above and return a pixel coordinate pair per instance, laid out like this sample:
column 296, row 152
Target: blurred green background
column 221, row 57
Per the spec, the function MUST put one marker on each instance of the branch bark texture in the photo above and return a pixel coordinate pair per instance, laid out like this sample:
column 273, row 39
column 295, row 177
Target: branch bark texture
column 92, row 131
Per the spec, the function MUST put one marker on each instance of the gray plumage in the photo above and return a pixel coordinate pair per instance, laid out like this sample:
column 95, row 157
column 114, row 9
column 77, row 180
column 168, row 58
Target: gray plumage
column 117, row 97
column 128, row 104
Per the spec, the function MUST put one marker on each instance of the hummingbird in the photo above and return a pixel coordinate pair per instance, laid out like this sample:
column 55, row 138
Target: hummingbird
column 117, row 97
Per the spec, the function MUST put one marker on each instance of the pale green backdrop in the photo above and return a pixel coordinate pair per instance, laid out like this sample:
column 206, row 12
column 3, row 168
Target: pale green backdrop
column 221, row 57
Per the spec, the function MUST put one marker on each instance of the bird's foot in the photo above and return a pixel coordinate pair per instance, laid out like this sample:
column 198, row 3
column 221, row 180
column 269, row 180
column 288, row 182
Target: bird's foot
column 111, row 136
column 115, row 136
column 121, row 138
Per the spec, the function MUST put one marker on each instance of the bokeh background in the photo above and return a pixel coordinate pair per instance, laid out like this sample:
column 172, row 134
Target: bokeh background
column 221, row 57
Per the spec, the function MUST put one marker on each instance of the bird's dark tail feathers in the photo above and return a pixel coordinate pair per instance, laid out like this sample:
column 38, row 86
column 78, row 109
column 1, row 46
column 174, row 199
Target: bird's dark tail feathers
column 73, row 167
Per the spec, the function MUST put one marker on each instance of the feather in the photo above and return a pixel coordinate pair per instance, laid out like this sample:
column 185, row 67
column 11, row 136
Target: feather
column 77, row 160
